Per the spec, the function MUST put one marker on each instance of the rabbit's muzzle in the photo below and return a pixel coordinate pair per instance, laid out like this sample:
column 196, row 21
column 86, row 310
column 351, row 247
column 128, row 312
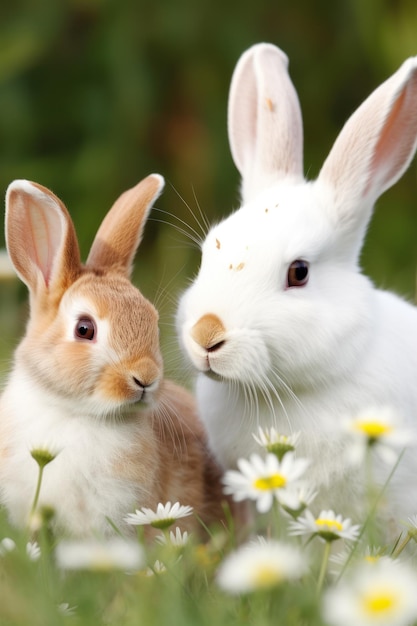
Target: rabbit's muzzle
column 209, row 332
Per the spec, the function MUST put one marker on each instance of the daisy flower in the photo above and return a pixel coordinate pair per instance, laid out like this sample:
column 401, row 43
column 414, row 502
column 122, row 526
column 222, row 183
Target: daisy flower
column 98, row 555
column 341, row 559
column 177, row 539
column 380, row 429
column 164, row 516
column 265, row 479
column 6, row 545
column 382, row 593
column 275, row 442
column 157, row 568
column 44, row 453
column 303, row 495
column 33, row 550
column 328, row 526
column 260, row 565
column 65, row 609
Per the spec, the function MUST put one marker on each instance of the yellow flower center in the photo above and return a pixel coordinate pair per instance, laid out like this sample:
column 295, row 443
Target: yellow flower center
column 379, row 602
column 371, row 559
column 330, row 524
column 372, row 429
column 265, row 576
column 276, row 481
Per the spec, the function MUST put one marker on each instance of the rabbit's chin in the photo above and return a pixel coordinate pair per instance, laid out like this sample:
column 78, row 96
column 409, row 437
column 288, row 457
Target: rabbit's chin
column 106, row 407
column 97, row 406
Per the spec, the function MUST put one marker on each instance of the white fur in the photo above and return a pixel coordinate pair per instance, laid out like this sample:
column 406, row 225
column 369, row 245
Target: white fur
column 303, row 358
column 80, row 484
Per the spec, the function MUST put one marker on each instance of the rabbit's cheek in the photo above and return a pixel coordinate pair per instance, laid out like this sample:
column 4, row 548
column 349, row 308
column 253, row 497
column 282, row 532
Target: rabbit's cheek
column 234, row 355
column 244, row 357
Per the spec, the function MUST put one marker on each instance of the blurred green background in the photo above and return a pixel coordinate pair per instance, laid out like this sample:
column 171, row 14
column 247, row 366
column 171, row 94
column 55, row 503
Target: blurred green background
column 94, row 95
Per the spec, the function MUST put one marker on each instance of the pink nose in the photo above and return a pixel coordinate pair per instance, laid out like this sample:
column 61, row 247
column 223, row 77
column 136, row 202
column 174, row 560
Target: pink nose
column 209, row 332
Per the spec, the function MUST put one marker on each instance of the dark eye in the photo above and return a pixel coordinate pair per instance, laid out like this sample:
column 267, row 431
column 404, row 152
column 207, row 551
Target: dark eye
column 85, row 329
column 297, row 274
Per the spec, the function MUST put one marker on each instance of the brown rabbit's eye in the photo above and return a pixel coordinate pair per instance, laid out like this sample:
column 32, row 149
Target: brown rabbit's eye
column 85, row 329
column 297, row 274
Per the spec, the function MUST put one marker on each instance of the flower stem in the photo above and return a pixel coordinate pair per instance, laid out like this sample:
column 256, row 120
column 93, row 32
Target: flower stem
column 371, row 495
column 323, row 568
column 371, row 513
column 277, row 518
column 400, row 547
column 38, row 490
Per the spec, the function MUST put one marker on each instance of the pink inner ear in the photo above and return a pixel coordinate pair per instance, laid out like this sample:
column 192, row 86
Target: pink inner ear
column 394, row 145
column 40, row 237
column 39, row 243
column 43, row 237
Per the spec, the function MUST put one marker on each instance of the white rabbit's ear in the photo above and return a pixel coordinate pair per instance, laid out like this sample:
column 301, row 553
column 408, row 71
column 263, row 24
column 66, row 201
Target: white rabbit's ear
column 373, row 149
column 120, row 233
column 41, row 238
column 264, row 119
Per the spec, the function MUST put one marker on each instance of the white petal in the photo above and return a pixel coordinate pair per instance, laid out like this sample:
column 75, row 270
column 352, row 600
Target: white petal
column 264, row 503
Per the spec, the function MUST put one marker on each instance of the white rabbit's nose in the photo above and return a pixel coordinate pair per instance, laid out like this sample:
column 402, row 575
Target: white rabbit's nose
column 209, row 332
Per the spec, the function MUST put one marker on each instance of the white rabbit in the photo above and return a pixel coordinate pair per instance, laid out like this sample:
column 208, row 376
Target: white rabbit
column 88, row 380
column 281, row 325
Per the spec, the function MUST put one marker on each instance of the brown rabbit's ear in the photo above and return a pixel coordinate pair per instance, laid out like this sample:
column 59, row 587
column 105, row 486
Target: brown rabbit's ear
column 41, row 238
column 120, row 233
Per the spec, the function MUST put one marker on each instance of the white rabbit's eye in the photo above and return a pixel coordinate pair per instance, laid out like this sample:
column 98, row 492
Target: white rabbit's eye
column 297, row 274
column 85, row 329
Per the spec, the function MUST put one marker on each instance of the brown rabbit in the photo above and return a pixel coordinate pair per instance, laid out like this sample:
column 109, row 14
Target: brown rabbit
column 88, row 378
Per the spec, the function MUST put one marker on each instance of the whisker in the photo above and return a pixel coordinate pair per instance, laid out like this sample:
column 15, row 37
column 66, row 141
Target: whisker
column 166, row 413
column 251, row 407
column 279, row 376
column 174, row 365
column 205, row 226
column 265, row 389
column 163, row 290
column 275, row 394
column 191, row 233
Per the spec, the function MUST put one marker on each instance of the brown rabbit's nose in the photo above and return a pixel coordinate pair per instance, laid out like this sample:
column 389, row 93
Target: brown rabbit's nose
column 145, row 375
column 144, row 388
column 209, row 332
column 139, row 383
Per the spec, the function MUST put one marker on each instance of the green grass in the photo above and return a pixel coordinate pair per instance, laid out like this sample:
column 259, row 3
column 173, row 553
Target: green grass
column 186, row 593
